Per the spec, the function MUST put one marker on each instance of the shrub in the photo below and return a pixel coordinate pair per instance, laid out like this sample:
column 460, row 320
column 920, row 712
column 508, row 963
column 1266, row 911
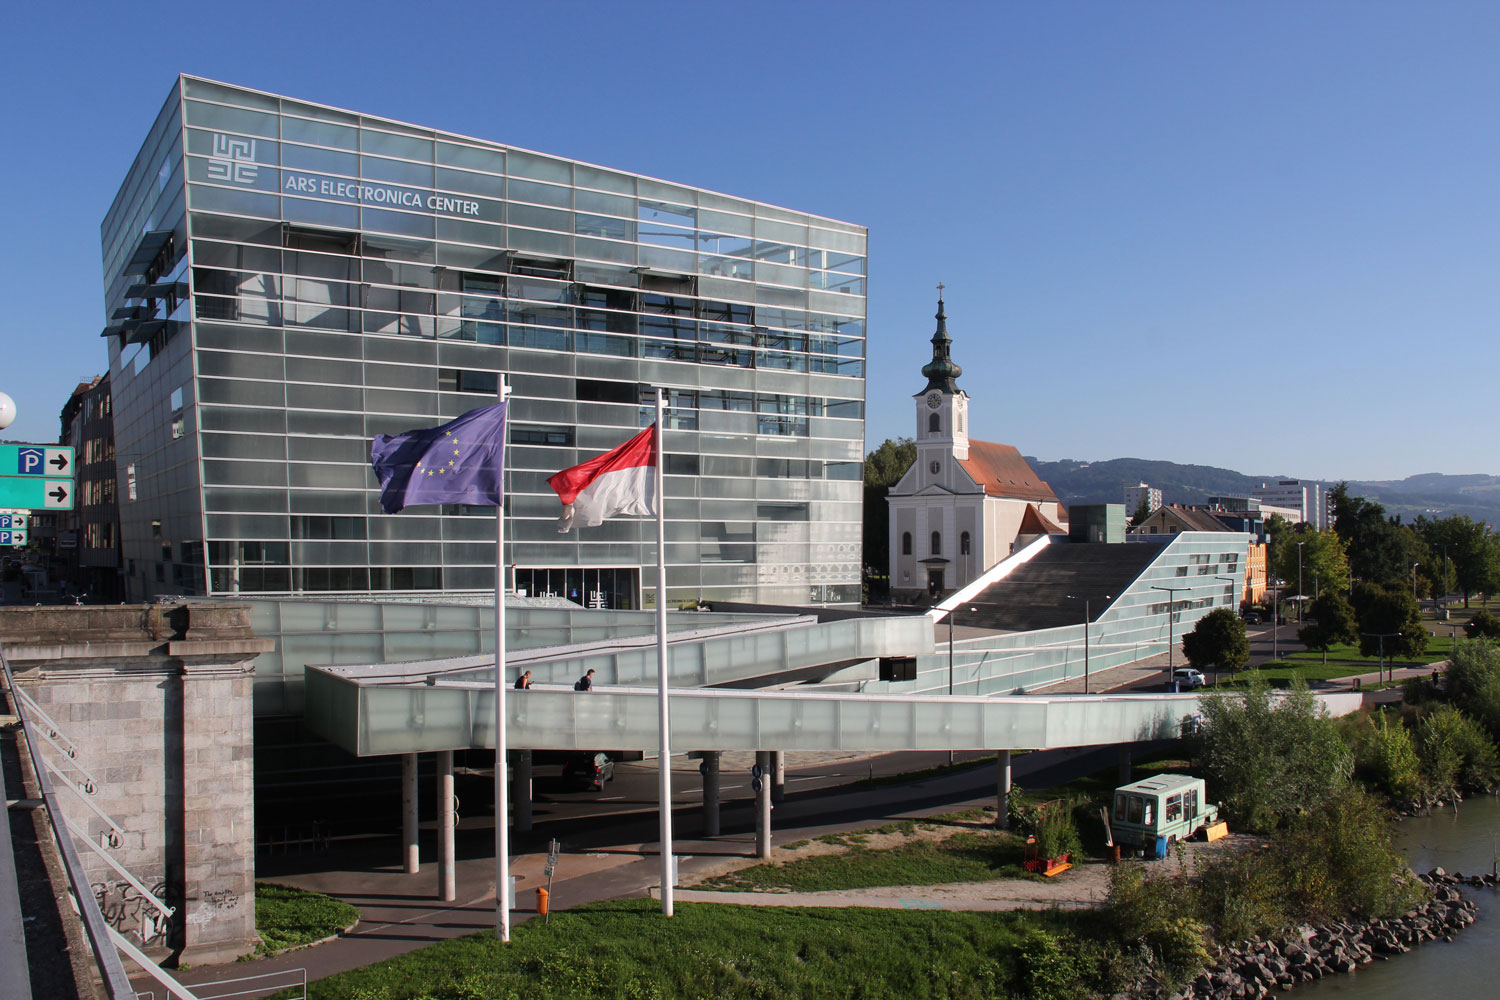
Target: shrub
column 1337, row 861
column 1473, row 682
column 1157, row 915
column 1456, row 752
column 1390, row 759
column 1047, row 972
column 1483, row 625
column 1242, row 895
column 1266, row 755
column 1056, row 833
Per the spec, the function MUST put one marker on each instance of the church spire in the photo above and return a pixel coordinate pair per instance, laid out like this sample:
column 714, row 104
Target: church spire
column 941, row 371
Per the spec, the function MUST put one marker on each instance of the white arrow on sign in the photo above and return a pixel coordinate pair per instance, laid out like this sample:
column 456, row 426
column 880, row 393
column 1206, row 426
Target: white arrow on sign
column 56, row 493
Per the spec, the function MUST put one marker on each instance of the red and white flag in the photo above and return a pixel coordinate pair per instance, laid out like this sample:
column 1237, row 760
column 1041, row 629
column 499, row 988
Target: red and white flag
column 621, row 481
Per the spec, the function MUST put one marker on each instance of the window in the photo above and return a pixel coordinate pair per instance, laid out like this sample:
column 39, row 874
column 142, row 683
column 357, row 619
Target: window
column 177, row 424
column 934, row 423
column 130, row 482
column 547, row 435
column 937, row 543
column 906, row 543
column 461, row 380
column 963, row 544
column 596, row 391
column 934, row 467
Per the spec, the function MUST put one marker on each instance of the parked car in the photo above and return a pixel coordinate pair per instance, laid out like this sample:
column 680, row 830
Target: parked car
column 1252, row 618
column 1187, row 678
column 588, row 771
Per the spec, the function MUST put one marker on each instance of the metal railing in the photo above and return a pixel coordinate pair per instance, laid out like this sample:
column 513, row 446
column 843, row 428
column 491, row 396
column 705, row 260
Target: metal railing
column 96, row 930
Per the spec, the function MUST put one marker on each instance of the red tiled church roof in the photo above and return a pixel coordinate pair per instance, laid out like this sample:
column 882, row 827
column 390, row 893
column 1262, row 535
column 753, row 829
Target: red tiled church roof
column 1001, row 470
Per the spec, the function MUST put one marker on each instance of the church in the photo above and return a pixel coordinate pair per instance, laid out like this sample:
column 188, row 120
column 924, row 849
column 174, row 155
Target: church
column 964, row 505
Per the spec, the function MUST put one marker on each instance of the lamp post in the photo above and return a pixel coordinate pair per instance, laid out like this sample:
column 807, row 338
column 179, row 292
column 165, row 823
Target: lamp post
column 952, row 613
column 1299, row 581
column 1088, row 620
column 1383, row 636
column 1275, row 618
column 1414, row 584
column 1171, row 609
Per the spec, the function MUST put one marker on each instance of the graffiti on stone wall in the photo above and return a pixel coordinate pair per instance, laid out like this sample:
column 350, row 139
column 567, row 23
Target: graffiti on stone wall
column 127, row 911
column 212, row 906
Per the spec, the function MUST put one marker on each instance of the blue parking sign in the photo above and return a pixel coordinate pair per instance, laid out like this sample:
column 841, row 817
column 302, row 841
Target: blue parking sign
column 29, row 461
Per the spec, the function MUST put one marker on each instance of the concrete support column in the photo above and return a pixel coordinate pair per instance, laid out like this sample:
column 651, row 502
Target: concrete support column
column 778, row 775
column 763, row 807
column 447, row 860
column 1002, row 791
column 410, row 846
column 520, row 789
column 710, row 769
column 1124, row 762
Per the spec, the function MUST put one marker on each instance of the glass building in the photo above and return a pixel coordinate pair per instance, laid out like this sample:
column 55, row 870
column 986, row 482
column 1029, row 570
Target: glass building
column 285, row 280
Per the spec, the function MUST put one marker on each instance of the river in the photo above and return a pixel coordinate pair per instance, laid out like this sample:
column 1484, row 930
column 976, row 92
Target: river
column 1465, row 968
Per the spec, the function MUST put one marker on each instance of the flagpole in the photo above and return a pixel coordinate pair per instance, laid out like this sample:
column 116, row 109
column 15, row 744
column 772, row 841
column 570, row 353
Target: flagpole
column 502, row 799
column 664, row 761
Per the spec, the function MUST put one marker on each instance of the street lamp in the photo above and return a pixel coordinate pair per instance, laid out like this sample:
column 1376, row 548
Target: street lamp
column 1171, row 609
column 1088, row 620
column 1275, row 618
column 952, row 613
column 1299, row 581
column 1414, row 584
column 1383, row 636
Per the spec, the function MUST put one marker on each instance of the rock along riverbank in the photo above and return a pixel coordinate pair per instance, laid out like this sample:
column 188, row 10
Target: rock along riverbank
column 1258, row 968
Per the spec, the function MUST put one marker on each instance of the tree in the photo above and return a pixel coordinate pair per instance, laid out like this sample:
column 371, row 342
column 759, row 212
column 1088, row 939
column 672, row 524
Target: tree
column 884, row 468
column 1332, row 623
column 1267, row 756
column 1218, row 638
column 1324, row 565
column 1391, row 612
column 1484, row 625
column 1142, row 511
column 1473, row 552
column 1379, row 549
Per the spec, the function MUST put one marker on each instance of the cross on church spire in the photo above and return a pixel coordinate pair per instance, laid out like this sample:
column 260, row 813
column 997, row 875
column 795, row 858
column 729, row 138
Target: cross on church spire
column 941, row 371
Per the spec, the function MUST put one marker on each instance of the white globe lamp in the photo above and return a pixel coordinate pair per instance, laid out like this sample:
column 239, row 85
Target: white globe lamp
column 7, row 411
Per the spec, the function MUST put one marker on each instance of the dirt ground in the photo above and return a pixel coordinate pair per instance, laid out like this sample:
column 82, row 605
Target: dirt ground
column 1084, row 885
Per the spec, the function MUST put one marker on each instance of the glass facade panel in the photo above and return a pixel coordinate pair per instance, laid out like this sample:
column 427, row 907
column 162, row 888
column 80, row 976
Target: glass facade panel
column 353, row 276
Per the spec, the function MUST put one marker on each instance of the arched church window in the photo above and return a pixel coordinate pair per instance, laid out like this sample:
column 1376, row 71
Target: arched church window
column 906, row 543
column 934, row 467
column 937, row 543
column 934, row 423
column 963, row 544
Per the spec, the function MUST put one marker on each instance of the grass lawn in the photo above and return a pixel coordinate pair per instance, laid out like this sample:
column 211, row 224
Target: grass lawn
column 964, row 857
column 1343, row 661
column 287, row 917
column 627, row 949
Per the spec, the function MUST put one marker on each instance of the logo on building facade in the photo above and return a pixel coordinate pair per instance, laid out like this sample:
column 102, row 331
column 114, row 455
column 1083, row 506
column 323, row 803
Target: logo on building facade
column 233, row 160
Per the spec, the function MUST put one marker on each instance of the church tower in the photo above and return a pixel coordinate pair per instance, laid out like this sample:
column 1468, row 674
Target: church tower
column 942, row 407
column 965, row 504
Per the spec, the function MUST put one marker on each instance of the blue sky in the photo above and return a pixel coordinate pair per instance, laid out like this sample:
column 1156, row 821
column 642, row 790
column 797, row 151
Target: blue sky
column 1259, row 236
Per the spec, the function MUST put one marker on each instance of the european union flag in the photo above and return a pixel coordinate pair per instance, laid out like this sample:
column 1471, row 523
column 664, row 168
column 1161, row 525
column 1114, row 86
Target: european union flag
column 458, row 462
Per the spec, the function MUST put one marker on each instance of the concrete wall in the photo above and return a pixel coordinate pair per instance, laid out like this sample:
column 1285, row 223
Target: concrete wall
column 157, row 700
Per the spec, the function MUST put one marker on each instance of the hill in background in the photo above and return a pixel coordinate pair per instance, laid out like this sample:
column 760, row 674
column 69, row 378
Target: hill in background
column 1433, row 494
